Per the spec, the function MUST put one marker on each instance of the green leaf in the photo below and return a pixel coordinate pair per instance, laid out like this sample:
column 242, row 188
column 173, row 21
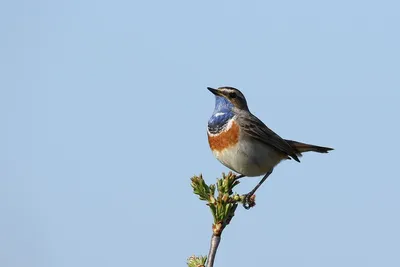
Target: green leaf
column 196, row 261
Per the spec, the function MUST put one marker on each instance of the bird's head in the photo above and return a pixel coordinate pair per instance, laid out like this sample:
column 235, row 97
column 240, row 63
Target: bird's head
column 229, row 97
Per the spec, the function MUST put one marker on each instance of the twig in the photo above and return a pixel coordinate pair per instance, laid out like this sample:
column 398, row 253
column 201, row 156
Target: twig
column 213, row 250
column 222, row 206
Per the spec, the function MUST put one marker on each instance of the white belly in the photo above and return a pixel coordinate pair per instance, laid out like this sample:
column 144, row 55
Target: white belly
column 249, row 158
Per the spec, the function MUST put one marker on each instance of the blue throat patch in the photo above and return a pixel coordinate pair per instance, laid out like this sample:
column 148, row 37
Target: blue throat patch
column 222, row 114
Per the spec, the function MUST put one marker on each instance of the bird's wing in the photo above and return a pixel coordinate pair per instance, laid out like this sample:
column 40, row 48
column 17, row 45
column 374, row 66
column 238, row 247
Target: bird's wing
column 258, row 130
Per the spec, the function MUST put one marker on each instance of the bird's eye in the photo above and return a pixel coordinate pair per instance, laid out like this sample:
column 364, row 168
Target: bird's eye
column 232, row 95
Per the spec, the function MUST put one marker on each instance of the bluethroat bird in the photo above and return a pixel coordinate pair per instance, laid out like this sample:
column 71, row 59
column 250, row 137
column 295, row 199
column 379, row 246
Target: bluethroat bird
column 244, row 144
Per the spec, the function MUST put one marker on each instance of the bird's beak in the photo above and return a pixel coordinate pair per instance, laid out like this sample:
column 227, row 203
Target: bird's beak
column 214, row 91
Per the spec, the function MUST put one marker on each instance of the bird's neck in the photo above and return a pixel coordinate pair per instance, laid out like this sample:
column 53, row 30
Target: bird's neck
column 221, row 116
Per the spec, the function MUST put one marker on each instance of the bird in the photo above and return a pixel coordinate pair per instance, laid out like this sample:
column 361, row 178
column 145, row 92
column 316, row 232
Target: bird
column 244, row 144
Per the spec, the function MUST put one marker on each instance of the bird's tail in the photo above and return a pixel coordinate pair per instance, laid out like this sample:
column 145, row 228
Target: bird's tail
column 301, row 147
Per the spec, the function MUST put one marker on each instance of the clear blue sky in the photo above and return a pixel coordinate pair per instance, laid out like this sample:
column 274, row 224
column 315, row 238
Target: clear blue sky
column 103, row 112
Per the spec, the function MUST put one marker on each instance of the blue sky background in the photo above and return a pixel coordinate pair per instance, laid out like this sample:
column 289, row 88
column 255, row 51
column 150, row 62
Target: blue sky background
column 103, row 112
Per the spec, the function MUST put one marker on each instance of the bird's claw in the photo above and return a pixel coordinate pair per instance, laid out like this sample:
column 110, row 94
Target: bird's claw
column 249, row 201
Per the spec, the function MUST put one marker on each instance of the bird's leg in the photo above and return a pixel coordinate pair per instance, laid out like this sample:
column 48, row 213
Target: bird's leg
column 239, row 176
column 246, row 202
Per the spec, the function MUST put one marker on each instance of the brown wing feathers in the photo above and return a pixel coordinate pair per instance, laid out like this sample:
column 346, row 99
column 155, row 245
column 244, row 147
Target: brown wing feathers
column 258, row 130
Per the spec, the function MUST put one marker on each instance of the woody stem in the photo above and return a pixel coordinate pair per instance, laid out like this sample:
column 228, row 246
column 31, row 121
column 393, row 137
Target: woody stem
column 213, row 250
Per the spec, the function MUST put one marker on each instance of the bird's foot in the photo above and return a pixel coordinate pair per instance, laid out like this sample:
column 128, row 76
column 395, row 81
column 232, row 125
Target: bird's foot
column 249, row 201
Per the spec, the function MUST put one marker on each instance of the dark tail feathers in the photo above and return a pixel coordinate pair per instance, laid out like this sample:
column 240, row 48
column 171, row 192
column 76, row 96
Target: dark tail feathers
column 301, row 147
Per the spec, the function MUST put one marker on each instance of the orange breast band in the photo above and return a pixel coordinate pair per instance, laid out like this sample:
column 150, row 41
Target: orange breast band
column 225, row 139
